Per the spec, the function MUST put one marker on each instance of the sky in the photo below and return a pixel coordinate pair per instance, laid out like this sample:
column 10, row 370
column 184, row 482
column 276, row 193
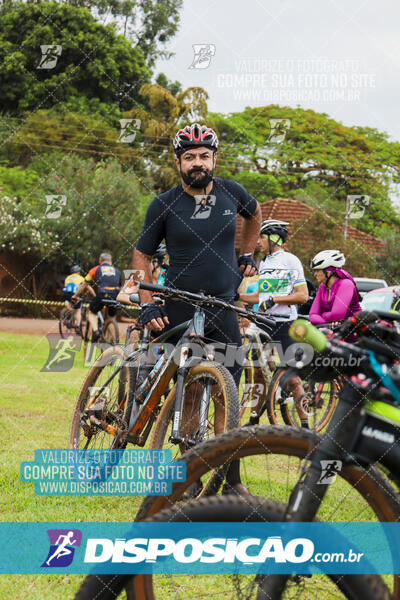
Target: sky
column 340, row 57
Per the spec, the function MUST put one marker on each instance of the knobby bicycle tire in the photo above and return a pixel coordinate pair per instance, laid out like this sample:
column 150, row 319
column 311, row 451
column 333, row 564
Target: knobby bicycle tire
column 368, row 484
column 230, row 509
column 278, row 401
column 111, row 332
column 117, row 395
column 62, row 322
column 227, row 393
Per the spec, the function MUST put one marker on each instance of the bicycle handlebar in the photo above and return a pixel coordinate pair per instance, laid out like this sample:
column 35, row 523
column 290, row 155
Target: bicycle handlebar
column 201, row 299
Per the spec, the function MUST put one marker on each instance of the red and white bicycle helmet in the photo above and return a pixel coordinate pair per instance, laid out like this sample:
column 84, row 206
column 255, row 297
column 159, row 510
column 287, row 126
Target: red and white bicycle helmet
column 193, row 136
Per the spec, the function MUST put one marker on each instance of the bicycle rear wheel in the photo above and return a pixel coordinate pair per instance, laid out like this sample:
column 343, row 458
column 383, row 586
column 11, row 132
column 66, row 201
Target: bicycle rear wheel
column 66, row 322
column 231, row 509
column 318, row 403
column 217, row 384
column 94, row 415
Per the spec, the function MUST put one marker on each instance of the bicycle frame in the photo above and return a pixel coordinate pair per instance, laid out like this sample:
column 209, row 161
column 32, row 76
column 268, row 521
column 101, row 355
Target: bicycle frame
column 178, row 362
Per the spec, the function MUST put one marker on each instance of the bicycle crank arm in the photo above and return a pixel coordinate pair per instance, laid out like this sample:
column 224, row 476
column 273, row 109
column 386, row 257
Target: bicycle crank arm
column 103, row 425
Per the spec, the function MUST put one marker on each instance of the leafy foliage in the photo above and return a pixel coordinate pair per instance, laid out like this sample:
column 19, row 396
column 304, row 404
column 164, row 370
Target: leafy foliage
column 95, row 62
column 389, row 262
column 306, row 242
column 316, row 150
column 104, row 208
column 162, row 114
column 16, row 181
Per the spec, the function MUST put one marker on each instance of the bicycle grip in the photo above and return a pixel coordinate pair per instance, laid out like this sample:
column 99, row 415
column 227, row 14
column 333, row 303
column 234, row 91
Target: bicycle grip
column 151, row 287
column 304, row 331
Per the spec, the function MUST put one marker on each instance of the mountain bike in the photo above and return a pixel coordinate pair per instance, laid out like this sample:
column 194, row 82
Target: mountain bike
column 108, row 327
column 277, row 461
column 272, row 397
column 67, row 324
column 117, row 405
column 232, row 509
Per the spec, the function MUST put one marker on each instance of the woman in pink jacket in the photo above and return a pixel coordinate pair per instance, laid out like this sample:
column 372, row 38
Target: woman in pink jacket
column 337, row 296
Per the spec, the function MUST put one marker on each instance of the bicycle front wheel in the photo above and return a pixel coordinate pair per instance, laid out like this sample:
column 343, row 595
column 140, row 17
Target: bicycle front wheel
column 111, row 332
column 208, row 382
column 230, row 509
column 100, row 413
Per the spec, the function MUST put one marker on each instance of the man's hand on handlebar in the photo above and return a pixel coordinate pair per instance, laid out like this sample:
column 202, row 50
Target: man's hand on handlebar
column 153, row 316
column 247, row 265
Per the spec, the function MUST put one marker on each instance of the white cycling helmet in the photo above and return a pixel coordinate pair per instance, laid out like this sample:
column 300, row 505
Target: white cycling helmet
column 328, row 258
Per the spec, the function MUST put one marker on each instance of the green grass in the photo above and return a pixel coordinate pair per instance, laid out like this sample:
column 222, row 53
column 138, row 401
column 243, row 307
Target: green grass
column 36, row 411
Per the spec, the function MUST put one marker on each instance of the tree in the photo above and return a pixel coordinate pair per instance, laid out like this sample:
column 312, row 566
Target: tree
column 81, row 206
column 160, row 117
column 149, row 24
column 389, row 262
column 311, row 147
column 173, row 87
column 306, row 242
column 92, row 61
column 46, row 131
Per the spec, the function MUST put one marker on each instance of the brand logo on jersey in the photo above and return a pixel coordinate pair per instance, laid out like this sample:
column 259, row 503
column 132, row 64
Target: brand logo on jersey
column 107, row 270
column 227, row 212
column 204, row 205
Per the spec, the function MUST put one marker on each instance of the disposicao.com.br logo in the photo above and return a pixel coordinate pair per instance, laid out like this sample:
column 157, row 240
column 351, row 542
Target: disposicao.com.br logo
column 216, row 550
column 62, row 547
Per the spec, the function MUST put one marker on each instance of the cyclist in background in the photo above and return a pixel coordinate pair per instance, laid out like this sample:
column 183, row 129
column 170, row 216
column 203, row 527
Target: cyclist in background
column 281, row 286
column 107, row 280
column 71, row 284
column 337, row 296
column 159, row 266
column 159, row 269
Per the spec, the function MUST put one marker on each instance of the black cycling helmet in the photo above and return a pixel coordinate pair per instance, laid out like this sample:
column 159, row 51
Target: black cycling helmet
column 193, row 136
column 75, row 269
column 274, row 227
column 160, row 253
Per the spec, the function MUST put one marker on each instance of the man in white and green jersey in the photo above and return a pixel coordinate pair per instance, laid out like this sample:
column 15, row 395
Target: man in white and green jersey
column 281, row 286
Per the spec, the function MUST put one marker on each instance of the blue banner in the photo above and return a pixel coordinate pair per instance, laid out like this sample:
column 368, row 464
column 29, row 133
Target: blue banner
column 243, row 548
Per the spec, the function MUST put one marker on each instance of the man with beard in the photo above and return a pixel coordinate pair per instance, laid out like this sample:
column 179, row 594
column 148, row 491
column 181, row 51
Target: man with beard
column 197, row 219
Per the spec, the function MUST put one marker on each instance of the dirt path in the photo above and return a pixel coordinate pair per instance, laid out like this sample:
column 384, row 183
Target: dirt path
column 39, row 326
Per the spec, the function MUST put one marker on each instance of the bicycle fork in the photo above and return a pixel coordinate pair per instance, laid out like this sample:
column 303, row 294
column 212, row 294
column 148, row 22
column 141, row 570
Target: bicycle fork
column 310, row 490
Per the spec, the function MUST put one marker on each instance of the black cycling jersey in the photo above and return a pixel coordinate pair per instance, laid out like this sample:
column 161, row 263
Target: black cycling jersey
column 199, row 232
column 106, row 277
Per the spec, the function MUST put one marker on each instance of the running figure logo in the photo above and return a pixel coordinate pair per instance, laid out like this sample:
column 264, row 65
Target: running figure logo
column 279, row 129
column 329, row 470
column 50, row 55
column 203, row 54
column 62, row 547
column 203, row 206
column 61, row 352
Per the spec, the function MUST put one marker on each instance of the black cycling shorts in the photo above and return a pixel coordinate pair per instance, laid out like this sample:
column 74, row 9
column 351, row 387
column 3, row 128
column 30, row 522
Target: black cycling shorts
column 96, row 303
column 68, row 296
column 221, row 330
column 279, row 334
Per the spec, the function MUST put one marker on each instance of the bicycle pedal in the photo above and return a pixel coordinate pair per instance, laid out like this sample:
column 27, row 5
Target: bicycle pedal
column 254, row 419
column 176, row 440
